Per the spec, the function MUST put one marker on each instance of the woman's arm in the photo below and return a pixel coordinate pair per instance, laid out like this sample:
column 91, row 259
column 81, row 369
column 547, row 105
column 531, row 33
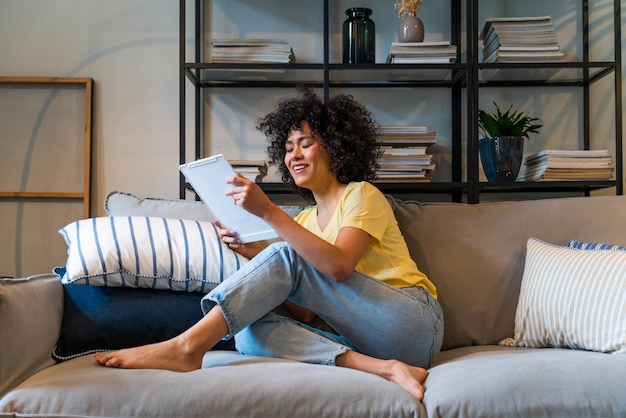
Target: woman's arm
column 337, row 260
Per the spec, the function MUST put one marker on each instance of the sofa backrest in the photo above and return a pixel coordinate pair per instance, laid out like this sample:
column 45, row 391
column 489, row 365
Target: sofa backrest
column 474, row 254
column 119, row 203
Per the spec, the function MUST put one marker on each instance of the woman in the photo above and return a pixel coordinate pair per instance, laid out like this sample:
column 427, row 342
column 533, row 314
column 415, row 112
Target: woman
column 343, row 259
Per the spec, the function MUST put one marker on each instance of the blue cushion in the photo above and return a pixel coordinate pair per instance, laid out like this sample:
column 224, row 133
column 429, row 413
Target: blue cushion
column 108, row 318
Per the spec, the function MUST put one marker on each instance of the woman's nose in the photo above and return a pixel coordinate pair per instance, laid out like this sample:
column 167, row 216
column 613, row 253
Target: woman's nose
column 297, row 153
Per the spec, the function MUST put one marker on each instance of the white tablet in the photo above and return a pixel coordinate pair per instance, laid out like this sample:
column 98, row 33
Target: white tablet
column 208, row 177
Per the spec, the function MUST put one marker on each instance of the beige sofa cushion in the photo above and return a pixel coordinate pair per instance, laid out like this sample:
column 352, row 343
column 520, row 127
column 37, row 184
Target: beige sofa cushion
column 492, row 381
column 119, row 203
column 229, row 385
column 30, row 319
column 475, row 254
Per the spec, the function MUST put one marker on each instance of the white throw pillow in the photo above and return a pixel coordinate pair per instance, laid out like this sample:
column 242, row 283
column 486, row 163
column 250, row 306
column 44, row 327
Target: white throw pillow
column 148, row 252
column 571, row 298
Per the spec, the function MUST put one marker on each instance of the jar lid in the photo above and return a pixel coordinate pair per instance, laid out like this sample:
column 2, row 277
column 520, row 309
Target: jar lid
column 359, row 11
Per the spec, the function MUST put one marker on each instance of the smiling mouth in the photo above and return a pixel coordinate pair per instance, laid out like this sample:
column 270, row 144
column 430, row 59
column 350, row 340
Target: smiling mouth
column 298, row 168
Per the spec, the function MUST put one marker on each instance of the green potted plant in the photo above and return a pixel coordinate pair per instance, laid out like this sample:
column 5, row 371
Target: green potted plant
column 502, row 144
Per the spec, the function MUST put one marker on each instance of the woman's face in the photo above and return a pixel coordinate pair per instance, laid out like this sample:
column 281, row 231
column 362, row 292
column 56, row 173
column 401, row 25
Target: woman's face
column 306, row 159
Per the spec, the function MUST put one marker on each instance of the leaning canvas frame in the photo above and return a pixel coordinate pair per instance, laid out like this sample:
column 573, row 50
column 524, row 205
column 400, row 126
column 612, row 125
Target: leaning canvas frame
column 85, row 194
column 45, row 176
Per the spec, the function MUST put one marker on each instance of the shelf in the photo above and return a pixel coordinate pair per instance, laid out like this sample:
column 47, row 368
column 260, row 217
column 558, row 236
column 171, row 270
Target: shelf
column 396, row 75
column 461, row 187
column 253, row 75
column 385, row 187
column 434, row 187
column 340, row 75
column 546, row 186
column 463, row 81
column 450, row 187
column 542, row 74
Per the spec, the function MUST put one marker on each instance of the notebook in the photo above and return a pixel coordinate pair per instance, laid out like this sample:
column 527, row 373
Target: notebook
column 208, row 177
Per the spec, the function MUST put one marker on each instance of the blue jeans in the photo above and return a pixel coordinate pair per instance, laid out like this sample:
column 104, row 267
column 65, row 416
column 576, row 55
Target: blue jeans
column 369, row 316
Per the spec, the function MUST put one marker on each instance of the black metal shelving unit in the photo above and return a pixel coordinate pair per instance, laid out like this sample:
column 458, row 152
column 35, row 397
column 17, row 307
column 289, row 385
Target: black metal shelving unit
column 454, row 78
column 327, row 75
column 581, row 74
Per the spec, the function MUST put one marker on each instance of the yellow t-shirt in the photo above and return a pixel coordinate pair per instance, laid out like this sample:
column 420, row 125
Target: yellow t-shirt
column 387, row 257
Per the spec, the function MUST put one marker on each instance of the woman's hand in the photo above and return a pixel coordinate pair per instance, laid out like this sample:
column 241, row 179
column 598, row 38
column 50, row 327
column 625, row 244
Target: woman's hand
column 230, row 238
column 248, row 195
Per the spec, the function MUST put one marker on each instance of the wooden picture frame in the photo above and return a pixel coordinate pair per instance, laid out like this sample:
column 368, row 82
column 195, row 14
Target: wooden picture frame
column 45, row 176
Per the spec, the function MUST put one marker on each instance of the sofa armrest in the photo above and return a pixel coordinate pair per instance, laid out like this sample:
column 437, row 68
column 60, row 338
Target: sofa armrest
column 31, row 311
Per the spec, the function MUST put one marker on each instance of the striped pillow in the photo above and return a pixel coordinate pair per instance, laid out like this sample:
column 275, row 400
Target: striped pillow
column 571, row 298
column 147, row 252
column 593, row 246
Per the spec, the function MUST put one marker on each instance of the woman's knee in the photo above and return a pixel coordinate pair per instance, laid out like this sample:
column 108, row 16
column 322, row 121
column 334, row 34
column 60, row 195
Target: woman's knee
column 252, row 340
column 245, row 340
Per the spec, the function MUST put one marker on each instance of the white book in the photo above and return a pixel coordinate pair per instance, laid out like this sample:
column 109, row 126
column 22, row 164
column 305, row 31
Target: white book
column 249, row 42
column 404, row 151
column 208, row 177
column 420, row 44
column 571, row 153
column 529, row 54
column 403, row 129
column 403, row 160
column 423, row 60
column 529, row 48
column 429, row 51
column 402, row 168
column 252, row 58
column 527, row 23
column 518, row 19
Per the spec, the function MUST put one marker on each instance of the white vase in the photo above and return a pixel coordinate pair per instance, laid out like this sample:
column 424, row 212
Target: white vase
column 411, row 29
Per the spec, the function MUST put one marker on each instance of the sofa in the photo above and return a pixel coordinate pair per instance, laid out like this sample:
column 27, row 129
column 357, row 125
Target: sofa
column 533, row 300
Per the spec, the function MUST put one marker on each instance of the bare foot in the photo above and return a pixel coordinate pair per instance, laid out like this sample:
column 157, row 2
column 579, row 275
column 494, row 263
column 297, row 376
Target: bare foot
column 409, row 378
column 167, row 355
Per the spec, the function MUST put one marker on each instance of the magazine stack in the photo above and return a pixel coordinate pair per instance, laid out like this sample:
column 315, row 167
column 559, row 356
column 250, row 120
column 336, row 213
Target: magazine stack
column 405, row 157
column 253, row 170
column 251, row 51
column 568, row 165
column 422, row 53
column 520, row 39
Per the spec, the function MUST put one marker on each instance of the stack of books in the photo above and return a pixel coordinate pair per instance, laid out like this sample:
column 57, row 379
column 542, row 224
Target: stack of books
column 405, row 157
column 422, row 53
column 253, row 170
column 520, row 39
column 568, row 165
column 251, row 51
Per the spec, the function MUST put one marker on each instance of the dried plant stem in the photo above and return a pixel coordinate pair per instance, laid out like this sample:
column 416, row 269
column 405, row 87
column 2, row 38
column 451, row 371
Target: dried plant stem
column 407, row 6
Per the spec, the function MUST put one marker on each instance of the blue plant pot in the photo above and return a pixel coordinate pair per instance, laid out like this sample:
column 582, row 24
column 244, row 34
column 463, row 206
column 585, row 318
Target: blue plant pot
column 501, row 157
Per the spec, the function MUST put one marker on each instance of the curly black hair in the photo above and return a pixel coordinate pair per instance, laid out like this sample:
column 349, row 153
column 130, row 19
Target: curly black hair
column 345, row 126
